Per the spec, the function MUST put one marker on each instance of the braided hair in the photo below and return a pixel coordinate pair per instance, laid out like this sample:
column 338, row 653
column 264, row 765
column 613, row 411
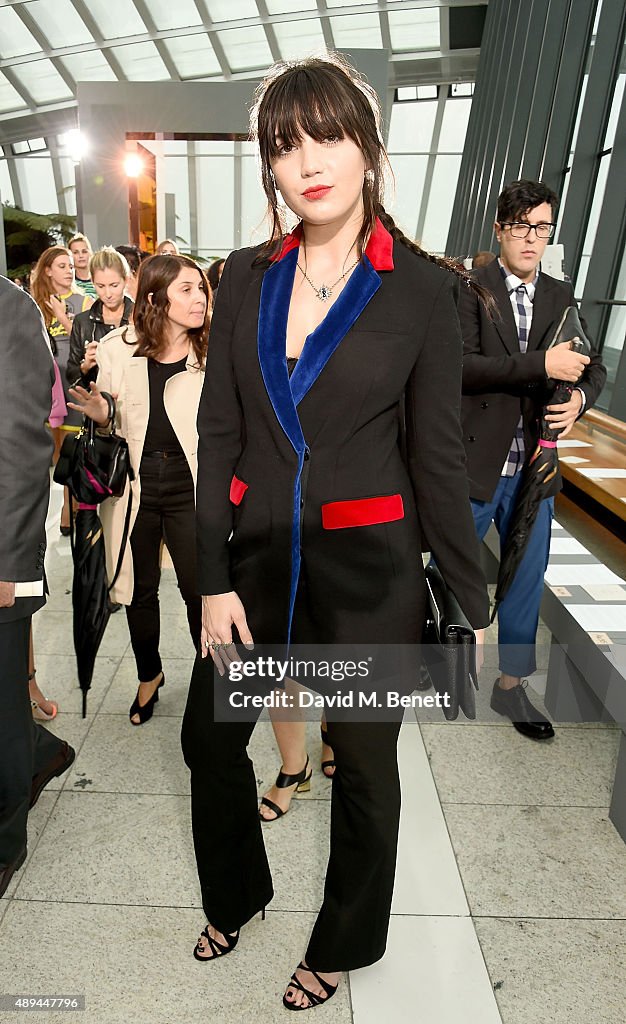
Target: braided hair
column 326, row 97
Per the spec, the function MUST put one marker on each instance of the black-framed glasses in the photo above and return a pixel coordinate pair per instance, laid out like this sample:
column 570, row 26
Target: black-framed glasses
column 521, row 229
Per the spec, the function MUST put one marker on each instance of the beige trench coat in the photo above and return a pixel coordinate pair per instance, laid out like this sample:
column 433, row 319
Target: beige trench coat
column 123, row 374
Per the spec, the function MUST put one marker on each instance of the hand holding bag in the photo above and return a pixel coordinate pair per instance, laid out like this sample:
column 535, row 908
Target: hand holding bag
column 94, row 466
column 449, row 648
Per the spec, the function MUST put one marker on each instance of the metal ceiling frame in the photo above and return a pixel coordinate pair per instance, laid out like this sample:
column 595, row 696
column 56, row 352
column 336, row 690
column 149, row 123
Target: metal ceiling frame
column 404, row 65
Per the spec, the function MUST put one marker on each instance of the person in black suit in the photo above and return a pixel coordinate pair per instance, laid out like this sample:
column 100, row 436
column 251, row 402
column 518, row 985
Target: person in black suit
column 30, row 756
column 317, row 338
column 506, row 366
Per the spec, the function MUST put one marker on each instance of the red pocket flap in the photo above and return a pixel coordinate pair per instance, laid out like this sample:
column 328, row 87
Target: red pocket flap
column 237, row 490
column 337, row 515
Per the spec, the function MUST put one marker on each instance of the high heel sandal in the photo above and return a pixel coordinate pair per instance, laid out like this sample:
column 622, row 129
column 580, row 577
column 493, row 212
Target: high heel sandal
column 326, row 764
column 38, row 712
column 145, row 710
column 314, row 999
column 302, row 782
column 217, row 949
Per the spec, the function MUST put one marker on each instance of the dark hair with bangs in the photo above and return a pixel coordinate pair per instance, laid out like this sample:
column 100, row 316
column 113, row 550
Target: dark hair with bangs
column 324, row 97
column 150, row 318
column 518, row 197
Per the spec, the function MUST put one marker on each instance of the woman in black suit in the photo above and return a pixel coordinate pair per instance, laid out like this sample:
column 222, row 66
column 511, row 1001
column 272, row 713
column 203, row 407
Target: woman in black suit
column 316, row 338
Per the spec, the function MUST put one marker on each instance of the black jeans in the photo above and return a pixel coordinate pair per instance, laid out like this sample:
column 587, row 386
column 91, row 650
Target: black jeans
column 166, row 513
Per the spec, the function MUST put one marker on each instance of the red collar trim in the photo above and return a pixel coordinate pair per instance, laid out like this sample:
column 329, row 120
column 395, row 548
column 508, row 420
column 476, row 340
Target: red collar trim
column 379, row 249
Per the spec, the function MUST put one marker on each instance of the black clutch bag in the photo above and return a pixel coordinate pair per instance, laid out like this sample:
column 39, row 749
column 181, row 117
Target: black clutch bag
column 449, row 649
column 94, row 466
column 569, row 328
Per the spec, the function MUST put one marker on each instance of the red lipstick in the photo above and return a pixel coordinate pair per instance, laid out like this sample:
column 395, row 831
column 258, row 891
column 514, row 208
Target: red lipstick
column 316, row 192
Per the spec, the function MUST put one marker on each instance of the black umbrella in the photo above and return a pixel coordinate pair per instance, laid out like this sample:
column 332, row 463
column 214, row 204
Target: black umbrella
column 90, row 594
column 541, row 465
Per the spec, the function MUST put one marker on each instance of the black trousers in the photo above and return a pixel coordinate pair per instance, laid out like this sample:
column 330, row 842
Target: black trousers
column 166, row 513
column 235, row 880
column 25, row 748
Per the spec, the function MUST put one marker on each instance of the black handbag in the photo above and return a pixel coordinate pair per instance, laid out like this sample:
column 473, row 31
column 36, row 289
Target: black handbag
column 449, row 649
column 94, row 466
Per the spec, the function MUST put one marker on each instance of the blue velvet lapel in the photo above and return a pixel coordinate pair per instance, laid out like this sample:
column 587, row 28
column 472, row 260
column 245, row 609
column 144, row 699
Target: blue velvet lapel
column 272, row 334
column 322, row 342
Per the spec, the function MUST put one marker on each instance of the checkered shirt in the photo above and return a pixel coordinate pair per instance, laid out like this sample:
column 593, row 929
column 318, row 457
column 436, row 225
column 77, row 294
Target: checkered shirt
column 521, row 296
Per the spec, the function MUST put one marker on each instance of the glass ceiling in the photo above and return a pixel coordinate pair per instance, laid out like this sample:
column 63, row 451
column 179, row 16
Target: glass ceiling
column 47, row 46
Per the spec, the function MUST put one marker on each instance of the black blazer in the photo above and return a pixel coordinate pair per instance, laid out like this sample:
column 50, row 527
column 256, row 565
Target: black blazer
column 307, row 472
column 26, row 379
column 499, row 381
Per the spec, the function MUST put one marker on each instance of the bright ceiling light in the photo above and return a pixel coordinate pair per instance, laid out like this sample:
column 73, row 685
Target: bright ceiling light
column 74, row 143
column 133, row 165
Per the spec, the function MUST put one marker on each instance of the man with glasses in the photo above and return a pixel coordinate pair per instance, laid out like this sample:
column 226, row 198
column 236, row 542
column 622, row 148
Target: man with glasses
column 506, row 366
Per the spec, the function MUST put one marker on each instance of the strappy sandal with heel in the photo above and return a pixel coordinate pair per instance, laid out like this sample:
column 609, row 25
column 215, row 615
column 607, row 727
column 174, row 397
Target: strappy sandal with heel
column 302, row 782
column 327, row 764
column 313, row 997
column 217, row 948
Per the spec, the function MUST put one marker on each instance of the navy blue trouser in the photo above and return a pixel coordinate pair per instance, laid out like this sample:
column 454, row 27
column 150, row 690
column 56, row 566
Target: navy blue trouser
column 518, row 614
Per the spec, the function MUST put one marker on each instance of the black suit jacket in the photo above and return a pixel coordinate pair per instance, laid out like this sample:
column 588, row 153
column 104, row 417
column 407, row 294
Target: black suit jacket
column 499, row 381
column 26, row 379
column 307, row 472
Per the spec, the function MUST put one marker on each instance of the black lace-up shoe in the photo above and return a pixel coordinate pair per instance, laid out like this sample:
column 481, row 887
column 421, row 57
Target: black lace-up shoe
column 515, row 705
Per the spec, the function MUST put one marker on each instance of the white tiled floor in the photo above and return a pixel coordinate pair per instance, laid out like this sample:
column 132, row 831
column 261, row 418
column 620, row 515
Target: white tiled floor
column 505, row 846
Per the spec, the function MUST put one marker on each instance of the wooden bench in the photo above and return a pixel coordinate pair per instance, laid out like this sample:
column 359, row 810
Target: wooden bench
column 587, row 665
column 597, row 442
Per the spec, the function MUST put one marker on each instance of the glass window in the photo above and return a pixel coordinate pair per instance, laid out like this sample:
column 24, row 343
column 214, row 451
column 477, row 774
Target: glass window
column 216, row 190
column 37, row 184
column 254, row 227
column 231, row 10
column 10, row 98
column 414, row 30
column 411, row 127
column 60, row 22
column 440, row 203
column 342, row 3
column 299, row 38
column 89, row 66
column 141, row 62
column 615, row 338
column 6, row 189
column 600, row 187
column 193, row 56
column 246, row 48
column 117, row 18
column 174, row 180
column 290, row 6
column 405, row 196
column 454, row 125
column 357, row 30
column 43, row 81
column 15, row 39
column 180, row 14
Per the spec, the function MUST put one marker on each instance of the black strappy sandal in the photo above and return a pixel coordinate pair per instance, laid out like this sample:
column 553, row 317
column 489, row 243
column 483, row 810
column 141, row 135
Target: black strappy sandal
column 314, row 999
column 302, row 782
column 217, row 949
column 326, row 764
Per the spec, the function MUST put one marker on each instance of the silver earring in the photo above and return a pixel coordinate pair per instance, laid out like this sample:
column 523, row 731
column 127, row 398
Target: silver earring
column 369, row 177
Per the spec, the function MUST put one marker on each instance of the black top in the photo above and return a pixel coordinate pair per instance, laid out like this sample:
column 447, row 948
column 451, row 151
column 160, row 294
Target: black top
column 291, row 364
column 160, row 435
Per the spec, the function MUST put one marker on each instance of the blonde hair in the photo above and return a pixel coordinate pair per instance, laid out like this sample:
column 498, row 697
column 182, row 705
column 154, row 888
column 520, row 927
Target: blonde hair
column 107, row 258
column 79, row 238
column 161, row 245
